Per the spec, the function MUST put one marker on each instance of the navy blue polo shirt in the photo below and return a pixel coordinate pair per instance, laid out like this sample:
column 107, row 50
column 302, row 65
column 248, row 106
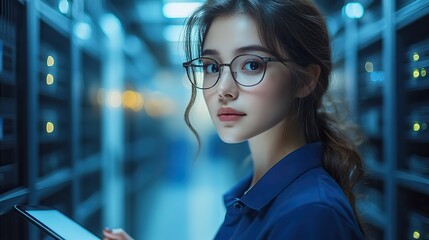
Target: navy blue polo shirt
column 295, row 199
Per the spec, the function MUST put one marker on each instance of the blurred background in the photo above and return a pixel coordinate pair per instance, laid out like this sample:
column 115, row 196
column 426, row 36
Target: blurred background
column 92, row 96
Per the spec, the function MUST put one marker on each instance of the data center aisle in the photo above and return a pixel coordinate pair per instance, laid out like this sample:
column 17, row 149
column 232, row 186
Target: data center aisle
column 191, row 210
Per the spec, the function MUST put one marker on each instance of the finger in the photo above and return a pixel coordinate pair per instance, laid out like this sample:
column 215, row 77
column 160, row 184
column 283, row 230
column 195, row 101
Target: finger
column 116, row 234
column 111, row 236
column 108, row 232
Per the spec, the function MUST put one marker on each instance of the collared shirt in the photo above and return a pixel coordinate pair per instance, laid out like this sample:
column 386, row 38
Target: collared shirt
column 295, row 199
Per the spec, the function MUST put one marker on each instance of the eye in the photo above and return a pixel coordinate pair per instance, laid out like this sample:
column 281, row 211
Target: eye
column 252, row 65
column 211, row 68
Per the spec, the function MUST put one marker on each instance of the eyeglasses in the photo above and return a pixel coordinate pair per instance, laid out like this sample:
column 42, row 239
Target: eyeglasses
column 247, row 70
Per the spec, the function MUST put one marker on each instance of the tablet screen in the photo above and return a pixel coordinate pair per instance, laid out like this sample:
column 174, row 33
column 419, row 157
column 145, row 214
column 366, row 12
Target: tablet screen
column 60, row 224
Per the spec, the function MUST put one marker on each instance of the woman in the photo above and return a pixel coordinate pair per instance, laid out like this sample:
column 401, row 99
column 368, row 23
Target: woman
column 263, row 67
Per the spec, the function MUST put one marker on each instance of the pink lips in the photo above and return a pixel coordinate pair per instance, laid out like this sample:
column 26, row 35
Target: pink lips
column 229, row 114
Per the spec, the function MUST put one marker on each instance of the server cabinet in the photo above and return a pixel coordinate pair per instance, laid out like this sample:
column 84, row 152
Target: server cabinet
column 54, row 102
column 371, row 81
column 391, row 62
column 12, row 143
column 413, row 165
column 88, row 163
column 8, row 97
column 42, row 159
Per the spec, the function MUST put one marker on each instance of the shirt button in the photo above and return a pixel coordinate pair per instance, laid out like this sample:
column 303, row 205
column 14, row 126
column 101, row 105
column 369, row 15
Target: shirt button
column 238, row 205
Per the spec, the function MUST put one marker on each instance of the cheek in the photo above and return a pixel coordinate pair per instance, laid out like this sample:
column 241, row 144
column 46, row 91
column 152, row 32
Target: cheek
column 276, row 88
column 209, row 98
column 274, row 102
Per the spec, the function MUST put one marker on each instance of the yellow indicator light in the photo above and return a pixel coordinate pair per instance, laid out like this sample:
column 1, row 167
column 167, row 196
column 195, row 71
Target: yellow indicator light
column 416, row 73
column 423, row 72
column 50, row 61
column 416, row 57
column 49, row 79
column 49, row 127
column 369, row 67
column 132, row 100
column 416, row 235
column 129, row 98
column 416, row 127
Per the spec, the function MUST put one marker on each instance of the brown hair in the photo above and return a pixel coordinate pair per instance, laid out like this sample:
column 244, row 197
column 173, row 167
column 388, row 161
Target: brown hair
column 298, row 28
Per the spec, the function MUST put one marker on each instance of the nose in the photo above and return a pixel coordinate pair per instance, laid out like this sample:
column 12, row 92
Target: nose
column 227, row 87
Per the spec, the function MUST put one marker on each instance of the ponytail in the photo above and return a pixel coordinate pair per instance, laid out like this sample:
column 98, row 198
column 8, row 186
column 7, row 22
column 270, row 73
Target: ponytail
column 340, row 140
column 340, row 158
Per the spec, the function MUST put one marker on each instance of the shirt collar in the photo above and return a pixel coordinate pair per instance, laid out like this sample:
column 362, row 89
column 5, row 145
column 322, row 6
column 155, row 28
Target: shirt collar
column 277, row 178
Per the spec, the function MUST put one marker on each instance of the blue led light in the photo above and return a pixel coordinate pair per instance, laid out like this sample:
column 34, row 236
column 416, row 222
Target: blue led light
column 354, row 10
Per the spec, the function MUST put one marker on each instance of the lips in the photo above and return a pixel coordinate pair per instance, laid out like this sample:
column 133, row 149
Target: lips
column 229, row 114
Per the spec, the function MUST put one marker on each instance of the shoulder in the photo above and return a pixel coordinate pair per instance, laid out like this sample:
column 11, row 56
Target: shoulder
column 315, row 186
column 314, row 221
column 313, row 201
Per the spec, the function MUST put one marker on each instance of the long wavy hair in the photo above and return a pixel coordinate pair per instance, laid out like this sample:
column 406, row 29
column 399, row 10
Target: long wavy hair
column 298, row 28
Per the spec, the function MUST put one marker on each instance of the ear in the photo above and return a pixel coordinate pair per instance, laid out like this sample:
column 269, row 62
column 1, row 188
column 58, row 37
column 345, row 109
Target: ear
column 313, row 73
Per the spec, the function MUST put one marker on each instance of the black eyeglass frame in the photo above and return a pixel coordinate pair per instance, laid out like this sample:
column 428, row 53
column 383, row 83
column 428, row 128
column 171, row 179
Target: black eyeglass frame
column 265, row 60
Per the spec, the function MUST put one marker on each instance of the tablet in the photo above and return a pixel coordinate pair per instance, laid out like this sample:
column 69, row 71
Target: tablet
column 55, row 223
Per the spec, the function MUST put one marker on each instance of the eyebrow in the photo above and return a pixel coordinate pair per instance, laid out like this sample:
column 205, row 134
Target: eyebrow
column 240, row 50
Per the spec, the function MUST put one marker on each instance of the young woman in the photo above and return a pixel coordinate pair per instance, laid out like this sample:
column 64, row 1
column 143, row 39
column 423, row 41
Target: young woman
column 263, row 67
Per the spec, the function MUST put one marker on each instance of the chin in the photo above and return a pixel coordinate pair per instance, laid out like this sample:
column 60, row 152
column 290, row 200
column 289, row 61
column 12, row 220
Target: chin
column 231, row 139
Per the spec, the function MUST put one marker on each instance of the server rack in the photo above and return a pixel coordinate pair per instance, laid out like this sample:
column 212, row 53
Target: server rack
column 8, row 98
column 52, row 117
column 145, row 148
column 12, row 75
column 412, row 173
column 89, row 160
column 385, row 57
column 49, row 127
column 54, row 128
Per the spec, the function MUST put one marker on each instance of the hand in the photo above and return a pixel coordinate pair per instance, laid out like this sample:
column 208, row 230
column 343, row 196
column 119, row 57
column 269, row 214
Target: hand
column 115, row 234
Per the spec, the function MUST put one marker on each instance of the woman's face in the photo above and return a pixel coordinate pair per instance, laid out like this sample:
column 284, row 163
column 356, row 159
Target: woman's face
column 241, row 113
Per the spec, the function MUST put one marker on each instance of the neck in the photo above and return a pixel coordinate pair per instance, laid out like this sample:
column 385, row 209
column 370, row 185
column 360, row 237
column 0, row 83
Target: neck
column 271, row 146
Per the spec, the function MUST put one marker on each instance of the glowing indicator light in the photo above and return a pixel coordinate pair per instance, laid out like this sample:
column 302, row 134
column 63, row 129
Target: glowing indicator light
column 416, row 235
column 113, row 99
column 416, row 57
column 50, row 127
column 416, row 126
column 354, row 10
column 50, row 61
column 82, row 30
column 63, row 6
column 49, row 79
column 416, row 73
column 132, row 100
column 423, row 72
column 369, row 67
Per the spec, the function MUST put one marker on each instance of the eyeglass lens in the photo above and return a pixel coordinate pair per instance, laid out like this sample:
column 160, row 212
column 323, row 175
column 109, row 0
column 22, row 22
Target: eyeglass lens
column 247, row 70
